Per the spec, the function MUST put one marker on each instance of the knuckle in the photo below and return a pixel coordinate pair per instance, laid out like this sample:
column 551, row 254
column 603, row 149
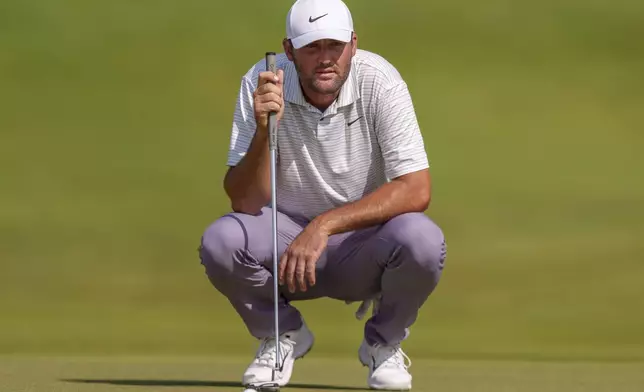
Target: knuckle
column 269, row 97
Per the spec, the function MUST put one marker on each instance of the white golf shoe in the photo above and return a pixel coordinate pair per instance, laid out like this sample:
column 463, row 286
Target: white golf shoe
column 387, row 367
column 292, row 344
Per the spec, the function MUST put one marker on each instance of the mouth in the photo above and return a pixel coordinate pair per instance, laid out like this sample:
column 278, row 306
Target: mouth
column 325, row 75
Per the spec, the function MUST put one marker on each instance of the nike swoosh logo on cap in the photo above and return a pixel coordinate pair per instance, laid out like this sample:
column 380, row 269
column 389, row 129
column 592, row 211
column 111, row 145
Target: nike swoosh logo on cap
column 311, row 19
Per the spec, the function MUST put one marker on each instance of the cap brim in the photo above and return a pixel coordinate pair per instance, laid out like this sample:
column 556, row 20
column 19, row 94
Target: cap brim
column 305, row 39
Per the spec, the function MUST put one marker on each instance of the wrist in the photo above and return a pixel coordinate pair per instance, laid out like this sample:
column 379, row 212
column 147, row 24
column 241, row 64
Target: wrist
column 322, row 224
column 262, row 131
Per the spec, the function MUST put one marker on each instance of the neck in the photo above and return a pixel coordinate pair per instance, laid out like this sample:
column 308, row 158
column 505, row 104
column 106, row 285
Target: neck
column 320, row 101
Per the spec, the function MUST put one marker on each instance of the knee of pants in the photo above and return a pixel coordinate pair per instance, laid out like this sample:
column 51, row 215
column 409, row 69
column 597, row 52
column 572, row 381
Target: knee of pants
column 220, row 243
column 421, row 239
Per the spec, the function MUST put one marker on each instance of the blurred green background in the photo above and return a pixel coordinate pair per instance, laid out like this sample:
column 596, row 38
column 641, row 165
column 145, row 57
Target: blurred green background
column 114, row 124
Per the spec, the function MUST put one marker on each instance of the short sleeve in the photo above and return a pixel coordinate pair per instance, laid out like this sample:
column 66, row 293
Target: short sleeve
column 244, row 126
column 399, row 136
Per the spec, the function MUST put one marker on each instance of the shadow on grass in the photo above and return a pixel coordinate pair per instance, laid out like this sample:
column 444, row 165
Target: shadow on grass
column 199, row 383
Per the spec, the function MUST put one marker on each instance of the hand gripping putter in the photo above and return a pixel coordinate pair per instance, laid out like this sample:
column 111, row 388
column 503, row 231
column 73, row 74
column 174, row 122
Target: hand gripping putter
column 272, row 146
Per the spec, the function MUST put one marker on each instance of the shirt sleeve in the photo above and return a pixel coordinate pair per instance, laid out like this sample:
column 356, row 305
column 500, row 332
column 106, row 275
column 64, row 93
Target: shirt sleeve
column 399, row 136
column 244, row 125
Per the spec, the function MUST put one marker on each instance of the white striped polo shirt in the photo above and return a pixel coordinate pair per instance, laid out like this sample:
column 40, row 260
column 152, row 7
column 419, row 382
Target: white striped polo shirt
column 368, row 136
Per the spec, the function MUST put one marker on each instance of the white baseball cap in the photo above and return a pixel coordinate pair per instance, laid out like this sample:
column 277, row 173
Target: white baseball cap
column 312, row 20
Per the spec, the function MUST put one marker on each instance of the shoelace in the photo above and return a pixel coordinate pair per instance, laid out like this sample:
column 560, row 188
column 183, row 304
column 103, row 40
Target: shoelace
column 267, row 353
column 393, row 355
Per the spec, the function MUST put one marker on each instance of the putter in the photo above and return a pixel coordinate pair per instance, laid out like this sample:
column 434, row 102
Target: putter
column 272, row 146
column 272, row 386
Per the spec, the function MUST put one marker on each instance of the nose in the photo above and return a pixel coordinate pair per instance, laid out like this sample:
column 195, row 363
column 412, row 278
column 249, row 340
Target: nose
column 326, row 55
column 324, row 64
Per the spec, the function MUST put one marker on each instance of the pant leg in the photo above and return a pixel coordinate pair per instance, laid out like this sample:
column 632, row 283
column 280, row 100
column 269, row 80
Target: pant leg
column 237, row 254
column 402, row 260
column 416, row 256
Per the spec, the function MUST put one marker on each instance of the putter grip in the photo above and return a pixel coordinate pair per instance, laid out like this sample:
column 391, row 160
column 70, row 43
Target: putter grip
column 272, row 117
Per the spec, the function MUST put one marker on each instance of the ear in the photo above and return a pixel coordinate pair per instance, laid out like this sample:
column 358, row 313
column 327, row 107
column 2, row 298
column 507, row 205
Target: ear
column 288, row 48
column 354, row 43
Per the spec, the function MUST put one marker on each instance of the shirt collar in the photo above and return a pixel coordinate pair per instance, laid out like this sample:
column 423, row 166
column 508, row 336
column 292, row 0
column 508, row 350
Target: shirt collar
column 292, row 89
column 350, row 91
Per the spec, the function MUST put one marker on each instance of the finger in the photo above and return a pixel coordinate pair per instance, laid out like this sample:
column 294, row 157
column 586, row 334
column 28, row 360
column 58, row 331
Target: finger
column 300, row 272
column 280, row 77
column 290, row 272
column 280, row 84
column 310, row 271
column 268, row 107
column 282, row 268
column 266, row 77
column 269, row 97
column 269, row 88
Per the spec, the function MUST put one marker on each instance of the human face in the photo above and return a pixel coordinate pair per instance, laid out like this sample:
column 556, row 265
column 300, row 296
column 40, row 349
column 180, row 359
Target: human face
column 323, row 66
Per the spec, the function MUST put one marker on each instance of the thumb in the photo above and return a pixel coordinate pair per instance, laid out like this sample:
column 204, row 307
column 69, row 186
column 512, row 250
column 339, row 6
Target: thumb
column 280, row 75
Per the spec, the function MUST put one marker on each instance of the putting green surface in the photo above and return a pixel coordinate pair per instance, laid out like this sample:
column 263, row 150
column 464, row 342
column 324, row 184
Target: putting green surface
column 310, row 374
column 114, row 124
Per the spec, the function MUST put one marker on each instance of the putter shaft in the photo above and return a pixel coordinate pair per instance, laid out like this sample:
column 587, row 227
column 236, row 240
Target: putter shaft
column 272, row 145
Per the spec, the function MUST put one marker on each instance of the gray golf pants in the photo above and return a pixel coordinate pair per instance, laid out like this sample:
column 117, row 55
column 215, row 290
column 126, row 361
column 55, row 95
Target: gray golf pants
column 400, row 261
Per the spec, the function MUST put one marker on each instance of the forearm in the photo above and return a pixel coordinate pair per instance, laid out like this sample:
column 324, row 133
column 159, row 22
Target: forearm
column 248, row 184
column 391, row 199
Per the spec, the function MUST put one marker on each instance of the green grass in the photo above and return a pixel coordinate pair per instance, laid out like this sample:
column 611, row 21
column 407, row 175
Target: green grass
column 194, row 374
column 114, row 117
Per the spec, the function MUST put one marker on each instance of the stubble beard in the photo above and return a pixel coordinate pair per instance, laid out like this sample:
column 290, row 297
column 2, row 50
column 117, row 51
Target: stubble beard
column 320, row 87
